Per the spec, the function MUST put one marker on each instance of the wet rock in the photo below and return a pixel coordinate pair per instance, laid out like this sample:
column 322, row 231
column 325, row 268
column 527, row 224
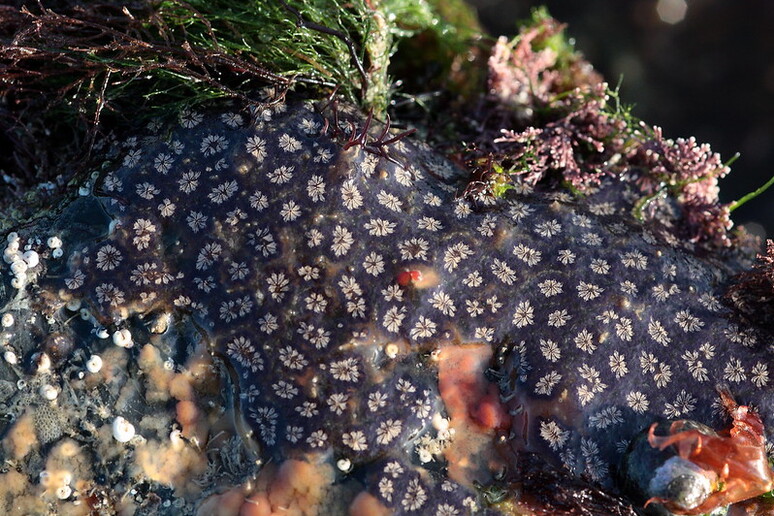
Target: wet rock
column 262, row 288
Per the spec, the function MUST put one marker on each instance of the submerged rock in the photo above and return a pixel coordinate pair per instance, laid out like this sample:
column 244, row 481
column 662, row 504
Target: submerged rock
column 652, row 473
column 359, row 305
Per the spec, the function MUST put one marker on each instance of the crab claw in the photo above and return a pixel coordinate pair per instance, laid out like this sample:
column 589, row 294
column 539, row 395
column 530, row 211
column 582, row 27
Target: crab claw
column 695, row 470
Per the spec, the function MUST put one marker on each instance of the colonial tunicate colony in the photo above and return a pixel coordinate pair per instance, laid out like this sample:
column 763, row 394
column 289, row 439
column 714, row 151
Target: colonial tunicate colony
column 336, row 283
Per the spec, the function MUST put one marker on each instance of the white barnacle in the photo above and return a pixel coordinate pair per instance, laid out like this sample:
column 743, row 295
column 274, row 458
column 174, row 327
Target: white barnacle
column 12, row 245
column 11, row 253
column 64, row 492
column 94, row 364
column 49, row 392
column 123, row 430
column 31, row 258
column 175, row 437
column 45, row 478
column 424, row 454
column 10, row 357
column 391, row 350
column 123, row 338
column 19, row 267
column 18, row 282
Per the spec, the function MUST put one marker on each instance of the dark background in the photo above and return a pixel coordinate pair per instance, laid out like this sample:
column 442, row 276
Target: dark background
column 710, row 75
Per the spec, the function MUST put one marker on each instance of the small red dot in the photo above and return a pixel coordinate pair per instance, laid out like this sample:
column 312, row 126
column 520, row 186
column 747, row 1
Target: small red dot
column 406, row 277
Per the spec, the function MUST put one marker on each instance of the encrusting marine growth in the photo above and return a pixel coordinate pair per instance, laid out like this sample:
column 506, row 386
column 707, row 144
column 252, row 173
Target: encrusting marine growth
column 286, row 307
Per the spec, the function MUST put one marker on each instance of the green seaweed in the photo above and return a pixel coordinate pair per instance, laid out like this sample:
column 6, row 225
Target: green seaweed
column 752, row 195
column 174, row 51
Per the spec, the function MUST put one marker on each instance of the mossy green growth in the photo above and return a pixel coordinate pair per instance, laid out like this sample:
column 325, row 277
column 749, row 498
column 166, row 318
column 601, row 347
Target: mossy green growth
column 271, row 35
column 170, row 52
column 558, row 41
column 347, row 44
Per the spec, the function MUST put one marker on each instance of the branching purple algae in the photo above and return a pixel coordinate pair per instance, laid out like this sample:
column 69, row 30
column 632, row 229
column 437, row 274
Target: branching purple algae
column 570, row 128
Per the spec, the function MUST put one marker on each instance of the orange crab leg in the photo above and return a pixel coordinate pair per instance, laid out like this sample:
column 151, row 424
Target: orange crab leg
column 739, row 461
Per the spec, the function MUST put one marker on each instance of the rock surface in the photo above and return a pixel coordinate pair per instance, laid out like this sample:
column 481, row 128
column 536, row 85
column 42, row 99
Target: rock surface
column 335, row 321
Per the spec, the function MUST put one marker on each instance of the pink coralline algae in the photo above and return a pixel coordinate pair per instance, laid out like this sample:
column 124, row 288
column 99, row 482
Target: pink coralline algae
column 331, row 281
column 562, row 124
column 557, row 146
column 529, row 71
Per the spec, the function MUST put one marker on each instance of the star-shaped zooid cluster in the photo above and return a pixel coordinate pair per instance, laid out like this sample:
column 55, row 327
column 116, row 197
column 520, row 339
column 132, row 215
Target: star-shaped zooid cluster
column 331, row 278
